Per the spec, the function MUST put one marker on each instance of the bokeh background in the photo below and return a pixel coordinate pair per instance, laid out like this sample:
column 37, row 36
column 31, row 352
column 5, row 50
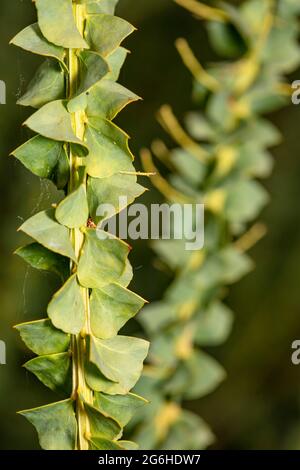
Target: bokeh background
column 258, row 407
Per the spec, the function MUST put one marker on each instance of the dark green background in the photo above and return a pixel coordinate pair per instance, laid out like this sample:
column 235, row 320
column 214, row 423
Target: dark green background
column 259, row 404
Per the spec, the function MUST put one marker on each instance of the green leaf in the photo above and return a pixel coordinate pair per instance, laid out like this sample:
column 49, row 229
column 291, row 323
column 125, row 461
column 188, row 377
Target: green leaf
column 199, row 127
column 281, row 51
column 224, row 267
column 189, row 432
column 56, row 425
column 120, row 359
column 235, row 265
column 146, row 436
column 102, row 426
column 42, row 338
column 196, row 377
column 47, row 85
column 254, row 162
column 252, row 15
column 163, row 351
column 115, row 61
column 111, row 307
column 205, row 375
column 43, row 259
column 244, row 201
column 66, row 309
column 188, row 166
column 43, row 228
column 57, row 23
column 213, row 325
column 32, row 40
column 105, row 32
column 263, row 97
column 53, row 370
column 108, row 149
column 184, row 186
column 157, row 315
column 93, row 68
column 172, row 252
column 62, row 170
column 219, row 111
column 45, row 158
column 288, row 8
column 128, row 445
column 102, row 261
column 99, row 443
column 225, row 39
column 53, row 121
column 119, row 407
column 100, row 6
column 125, row 278
column 73, row 211
column 117, row 190
column 97, row 382
column 260, row 131
column 107, row 98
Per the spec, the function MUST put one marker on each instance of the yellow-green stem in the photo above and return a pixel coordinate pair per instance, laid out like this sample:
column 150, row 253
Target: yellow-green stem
column 80, row 389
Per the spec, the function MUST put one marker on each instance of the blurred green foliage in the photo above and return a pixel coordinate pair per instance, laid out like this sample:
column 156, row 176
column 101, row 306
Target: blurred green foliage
column 220, row 156
column 258, row 406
